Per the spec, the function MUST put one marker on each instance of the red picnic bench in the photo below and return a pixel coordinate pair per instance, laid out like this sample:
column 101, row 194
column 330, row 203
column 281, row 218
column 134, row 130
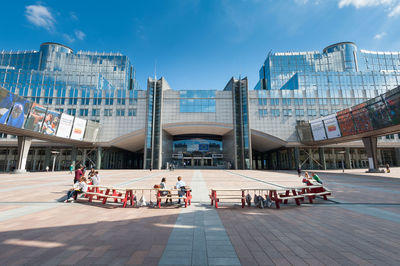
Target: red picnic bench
column 173, row 194
column 215, row 196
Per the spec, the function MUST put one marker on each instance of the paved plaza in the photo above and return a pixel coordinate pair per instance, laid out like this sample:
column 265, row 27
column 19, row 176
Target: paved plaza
column 358, row 225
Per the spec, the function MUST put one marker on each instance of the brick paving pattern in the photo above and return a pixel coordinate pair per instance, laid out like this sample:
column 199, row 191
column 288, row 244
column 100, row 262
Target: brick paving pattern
column 360, row 225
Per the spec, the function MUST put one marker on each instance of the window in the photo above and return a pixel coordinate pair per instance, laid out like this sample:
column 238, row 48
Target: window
column 197, row 105
column 323, row 112
column 310, row 101
column 299, row 112
column 71, row 111
column 97, row 97
column 121, row 94
column 274, row 101
column 287, row 112
column 262, row 112
column 61, row 110
column 311, row 112
column 286, row 101
column 120, row 112
column 95, row 112
column 83, row 112
column 391, row 136
column 298, row 101
column 131, row 112
column 107, row 112
column 275, row 112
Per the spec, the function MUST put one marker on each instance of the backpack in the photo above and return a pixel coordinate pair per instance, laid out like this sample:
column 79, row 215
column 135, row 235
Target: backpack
column 260, row 202
column 142, row 201
column 248, row 199
column 156, row 186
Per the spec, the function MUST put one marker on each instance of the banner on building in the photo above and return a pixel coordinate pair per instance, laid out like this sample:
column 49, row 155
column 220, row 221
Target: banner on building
column 361, row 118
column 378, row 113
column 78, row 130
column 317, row 128
column 35, row 118
column 65, row 126
column 6, row 104
column 331, row 126
column 18, row 112
column 392, row 100
column 51, row 123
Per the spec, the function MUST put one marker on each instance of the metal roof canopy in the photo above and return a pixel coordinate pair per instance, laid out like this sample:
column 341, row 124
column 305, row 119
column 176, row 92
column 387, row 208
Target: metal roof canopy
column 37, row 135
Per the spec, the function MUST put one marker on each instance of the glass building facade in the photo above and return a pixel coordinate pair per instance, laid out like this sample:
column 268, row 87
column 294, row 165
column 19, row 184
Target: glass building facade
column 226, row 127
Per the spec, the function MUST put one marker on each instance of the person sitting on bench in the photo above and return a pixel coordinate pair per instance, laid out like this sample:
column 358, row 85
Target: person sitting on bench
column 180, row 185
column 79, row 187
column 307, row 179
column 316, row 178
column 163, row 185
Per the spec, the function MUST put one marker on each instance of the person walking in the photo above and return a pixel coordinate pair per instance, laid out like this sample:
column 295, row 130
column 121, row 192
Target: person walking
column 71, row 168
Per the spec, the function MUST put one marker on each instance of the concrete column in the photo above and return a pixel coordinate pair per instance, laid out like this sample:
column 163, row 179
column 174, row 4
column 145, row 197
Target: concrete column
column 58, row 159
column 10, row 158
column 397, row 159
column 334, row 158
column 322, row 158
column 73, row 156
column 310, row 159
column 347, row 159
column 356, row 158
column 296, row 157
column 370, row 144
column 35, row 156
column 24, row 143
column 47, row 158
column 84, row 157
column 98, row 157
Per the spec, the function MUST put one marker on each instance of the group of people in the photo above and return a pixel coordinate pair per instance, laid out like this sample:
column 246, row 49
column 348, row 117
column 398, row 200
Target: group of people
column 81, row 182
column 309, row 180
column 180, row 185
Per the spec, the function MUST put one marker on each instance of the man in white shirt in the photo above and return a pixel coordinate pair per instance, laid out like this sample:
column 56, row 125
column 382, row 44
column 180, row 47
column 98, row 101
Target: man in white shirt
column 180, row 185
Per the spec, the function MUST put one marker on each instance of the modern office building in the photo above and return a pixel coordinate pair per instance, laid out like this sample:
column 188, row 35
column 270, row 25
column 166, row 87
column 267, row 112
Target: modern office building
column 227, row 127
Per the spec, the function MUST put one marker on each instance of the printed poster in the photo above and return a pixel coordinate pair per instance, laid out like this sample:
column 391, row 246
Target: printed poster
column 318, row 130
column 65, row 126
column 331, row 126
column 78, row 130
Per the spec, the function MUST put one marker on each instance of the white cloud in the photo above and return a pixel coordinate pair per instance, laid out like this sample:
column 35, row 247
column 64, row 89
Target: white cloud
column 379, row 35
column 80, row 35
column 73, row 16
column 395, row 11
column 40, row 16
column 68, row 37
column 364, row 3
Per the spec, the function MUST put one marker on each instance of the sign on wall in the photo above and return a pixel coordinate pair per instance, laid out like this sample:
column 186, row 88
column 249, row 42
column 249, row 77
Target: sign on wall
column 317, row 128
column 36, row 117
column 78, row 130
column 331, row 126
column 66, row 123
column 51, row 123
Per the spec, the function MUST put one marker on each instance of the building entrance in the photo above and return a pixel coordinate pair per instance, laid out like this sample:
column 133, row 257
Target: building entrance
column 197, row 151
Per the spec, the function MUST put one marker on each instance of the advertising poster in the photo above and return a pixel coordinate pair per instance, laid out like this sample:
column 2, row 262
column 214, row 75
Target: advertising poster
column 392, row 100
column 65, row 126
column 35, row 117
column 78, row 130
column 6, row 103
column 51, row 122
column 331, row 127
column 361, row 118
column 317, row 128
column 19, row 112
column 378, row 113
column 346, row 123
column 92, row 130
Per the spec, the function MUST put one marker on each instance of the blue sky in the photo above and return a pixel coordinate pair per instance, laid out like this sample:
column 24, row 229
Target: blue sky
column 200, row 44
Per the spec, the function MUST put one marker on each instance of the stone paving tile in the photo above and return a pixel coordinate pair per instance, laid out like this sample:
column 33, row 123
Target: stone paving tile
column 360, row 226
